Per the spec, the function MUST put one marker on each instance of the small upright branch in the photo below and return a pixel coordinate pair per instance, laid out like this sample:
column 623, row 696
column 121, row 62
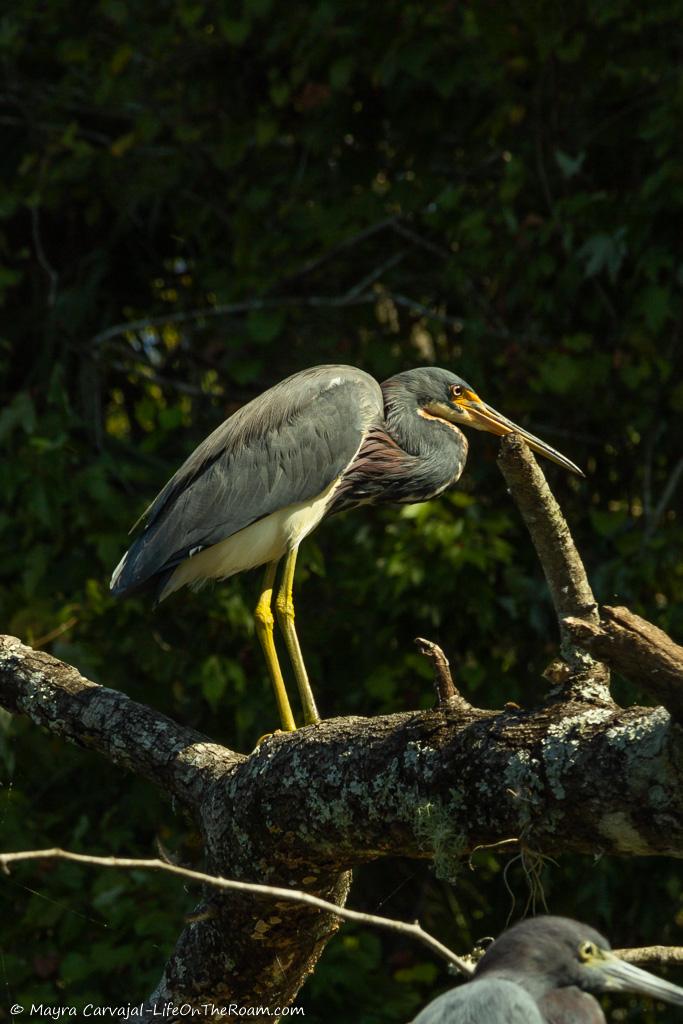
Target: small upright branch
column 638, row 650
column 564, row 571
column 446, row 691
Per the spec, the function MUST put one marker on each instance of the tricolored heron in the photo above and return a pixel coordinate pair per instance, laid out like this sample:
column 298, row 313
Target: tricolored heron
column 326, row 439
column 544, row 971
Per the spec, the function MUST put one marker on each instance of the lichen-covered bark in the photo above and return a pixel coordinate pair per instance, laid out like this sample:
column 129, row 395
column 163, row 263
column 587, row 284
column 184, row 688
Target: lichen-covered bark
column 57, row 697
column 637, row 649
column 305, row 807
column 571, row 777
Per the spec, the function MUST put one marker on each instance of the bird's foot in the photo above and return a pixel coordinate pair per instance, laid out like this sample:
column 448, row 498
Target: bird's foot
column 266, row 736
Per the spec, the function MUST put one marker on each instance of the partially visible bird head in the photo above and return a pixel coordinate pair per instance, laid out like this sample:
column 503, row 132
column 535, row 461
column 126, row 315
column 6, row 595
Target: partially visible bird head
column 442, row 395
column 600, row 970
column 545, row 953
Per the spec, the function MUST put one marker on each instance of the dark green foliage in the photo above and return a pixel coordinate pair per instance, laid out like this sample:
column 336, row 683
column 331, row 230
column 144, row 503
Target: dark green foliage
column 497, row 189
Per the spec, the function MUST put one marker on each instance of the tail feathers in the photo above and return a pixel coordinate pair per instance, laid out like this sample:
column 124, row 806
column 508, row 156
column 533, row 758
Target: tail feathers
column 134, row 574
column 135, row 569
column 126, row 582
column 117, row 583
column 160, row 582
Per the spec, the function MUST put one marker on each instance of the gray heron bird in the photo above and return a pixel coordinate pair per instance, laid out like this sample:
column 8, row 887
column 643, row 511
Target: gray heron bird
column 326, row 439
column 546, row 970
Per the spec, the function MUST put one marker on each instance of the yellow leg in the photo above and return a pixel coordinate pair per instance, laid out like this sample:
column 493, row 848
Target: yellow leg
column 264, row 630
column 284, row 604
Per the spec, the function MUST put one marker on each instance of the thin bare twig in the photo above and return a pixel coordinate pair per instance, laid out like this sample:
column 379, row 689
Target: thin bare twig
column 496, row 325
column 53, row 276
column 58, row 631
column 156, row 378
column 225, row 309
column 667, row 495
column 643, row 955
column 418, row 307
column 351, row 298
column 424, row 243
column 414, row 931
column 648, row 459
column 375, row 274
column 347, row 243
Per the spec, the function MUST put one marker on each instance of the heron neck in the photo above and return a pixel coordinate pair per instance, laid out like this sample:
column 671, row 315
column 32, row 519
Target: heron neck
column 435, row 443
column 532, row 982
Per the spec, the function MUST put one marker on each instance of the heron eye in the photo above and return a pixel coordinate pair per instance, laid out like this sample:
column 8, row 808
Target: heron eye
column 455, row 390
column 587, row 951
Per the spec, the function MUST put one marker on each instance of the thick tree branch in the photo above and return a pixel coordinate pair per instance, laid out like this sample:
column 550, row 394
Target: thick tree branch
column 57, row 697
column 566, row 577
column 305, row 807
column 403, row 758
column 638, row 650
column 579, row 775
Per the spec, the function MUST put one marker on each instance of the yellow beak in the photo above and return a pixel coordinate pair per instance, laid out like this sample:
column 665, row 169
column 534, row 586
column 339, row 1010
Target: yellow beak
column 469, row 411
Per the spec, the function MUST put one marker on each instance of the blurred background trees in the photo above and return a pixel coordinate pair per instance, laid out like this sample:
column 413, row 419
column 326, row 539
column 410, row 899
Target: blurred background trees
column 199, row 198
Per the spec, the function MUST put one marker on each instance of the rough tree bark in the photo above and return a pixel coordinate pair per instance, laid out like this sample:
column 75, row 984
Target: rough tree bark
column 303, row 809
column 638, row 650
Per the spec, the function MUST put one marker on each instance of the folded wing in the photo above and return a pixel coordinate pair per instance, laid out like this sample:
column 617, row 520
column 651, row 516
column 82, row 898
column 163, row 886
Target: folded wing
column 286, row 446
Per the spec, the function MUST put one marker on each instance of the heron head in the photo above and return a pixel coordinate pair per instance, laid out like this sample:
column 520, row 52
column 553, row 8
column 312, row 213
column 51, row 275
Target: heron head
column 547, row 953
column 447, row 397
column 599, row 970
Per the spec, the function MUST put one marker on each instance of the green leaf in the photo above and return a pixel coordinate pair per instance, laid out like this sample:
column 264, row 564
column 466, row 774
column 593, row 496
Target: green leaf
column 604, row 252
column 559, row 373
column 341, row 71
column 570, row 166
column 264, row 325
column 258, row 8
column 265, row 130
column 246, row 371
column 607, row 524
column 236, row 32
column 74, row 967
column 425, row 973
column 19, row 413
column 280, row 93
column 214, row 680
column 654, row 304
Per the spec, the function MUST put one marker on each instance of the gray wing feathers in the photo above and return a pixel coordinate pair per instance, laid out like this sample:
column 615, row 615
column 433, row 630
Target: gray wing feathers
column 284, row 447
column 482, row 1002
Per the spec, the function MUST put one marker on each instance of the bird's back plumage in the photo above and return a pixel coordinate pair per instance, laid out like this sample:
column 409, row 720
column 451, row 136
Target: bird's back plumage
column 490, row 1001
column 285, row 447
